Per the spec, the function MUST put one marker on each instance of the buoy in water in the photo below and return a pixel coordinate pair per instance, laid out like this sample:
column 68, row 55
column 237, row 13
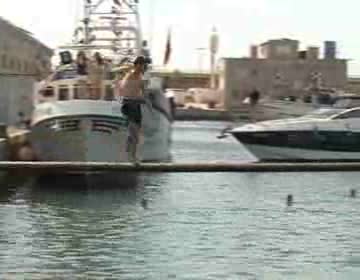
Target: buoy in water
column 353, row 193
column 289, row 200
column 144, row 203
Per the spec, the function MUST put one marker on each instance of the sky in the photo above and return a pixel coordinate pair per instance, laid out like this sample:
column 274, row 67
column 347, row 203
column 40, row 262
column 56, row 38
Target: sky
column 240, row 23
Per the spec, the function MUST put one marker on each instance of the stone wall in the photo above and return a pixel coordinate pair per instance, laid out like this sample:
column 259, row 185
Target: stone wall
column 23, row 61
column 16, row 95
column 185, row 80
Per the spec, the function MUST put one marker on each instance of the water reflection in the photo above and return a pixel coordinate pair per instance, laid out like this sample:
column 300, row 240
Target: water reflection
column 194, row 226
column 78, row 224
column 11, row 186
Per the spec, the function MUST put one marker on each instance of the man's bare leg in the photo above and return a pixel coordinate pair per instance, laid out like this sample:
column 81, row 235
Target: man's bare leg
column 132, row 143
column 136, row 143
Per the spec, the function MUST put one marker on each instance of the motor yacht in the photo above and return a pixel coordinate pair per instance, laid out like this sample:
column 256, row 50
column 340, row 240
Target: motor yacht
column 324, row 134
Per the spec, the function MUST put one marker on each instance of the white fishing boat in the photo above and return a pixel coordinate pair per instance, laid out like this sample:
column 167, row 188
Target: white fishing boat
column 69, row 123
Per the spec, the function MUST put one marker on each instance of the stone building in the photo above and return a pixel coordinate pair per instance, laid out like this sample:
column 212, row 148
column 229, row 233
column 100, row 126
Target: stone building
column 277, row 68
column 185, row 80
column 23, row 60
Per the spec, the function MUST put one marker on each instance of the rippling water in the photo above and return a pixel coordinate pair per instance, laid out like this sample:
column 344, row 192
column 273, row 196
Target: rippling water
column 195, row 226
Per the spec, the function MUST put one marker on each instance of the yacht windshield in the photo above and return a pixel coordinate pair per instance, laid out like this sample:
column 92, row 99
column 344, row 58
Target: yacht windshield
column 322, row 114
column 347, row 103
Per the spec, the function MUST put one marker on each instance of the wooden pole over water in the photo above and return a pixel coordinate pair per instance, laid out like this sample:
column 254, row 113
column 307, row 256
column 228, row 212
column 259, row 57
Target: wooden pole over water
column 79, row 167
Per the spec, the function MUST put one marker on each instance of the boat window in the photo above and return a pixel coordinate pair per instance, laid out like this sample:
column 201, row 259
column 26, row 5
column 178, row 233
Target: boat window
column 4, row 61
column 86, row 91
column 63, row 93
column 80, row 91
column 109, row 93
column 349, row 115
column 307, row 99
column 47, row 92
column 12, row 64
column 76, row 91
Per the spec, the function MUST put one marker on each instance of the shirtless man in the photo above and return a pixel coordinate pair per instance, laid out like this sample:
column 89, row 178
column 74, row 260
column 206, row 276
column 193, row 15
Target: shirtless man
column 131, row 89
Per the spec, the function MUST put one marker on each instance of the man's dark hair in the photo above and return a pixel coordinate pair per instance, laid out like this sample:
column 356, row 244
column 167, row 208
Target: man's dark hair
column 140, row 60
column 254, row 97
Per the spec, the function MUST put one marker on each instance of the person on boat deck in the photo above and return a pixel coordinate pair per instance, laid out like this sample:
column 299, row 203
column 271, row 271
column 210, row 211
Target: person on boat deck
column 82, row 70
column 81, row 63
column 96, row 75
column 254, row 97
column 107, row 69
column 131, row 89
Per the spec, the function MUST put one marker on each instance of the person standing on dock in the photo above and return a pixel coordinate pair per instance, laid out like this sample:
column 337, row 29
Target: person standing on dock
column 132, row 92
column 254, row 99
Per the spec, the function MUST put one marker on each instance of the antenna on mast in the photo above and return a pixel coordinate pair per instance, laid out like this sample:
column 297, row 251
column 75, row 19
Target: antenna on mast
column 86, row 21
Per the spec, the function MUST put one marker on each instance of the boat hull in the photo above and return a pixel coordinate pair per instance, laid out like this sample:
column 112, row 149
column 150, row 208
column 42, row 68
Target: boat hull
column 80, row 138
column 96, row 131
column 301, row 145
column 270, row 153
column 3, row 149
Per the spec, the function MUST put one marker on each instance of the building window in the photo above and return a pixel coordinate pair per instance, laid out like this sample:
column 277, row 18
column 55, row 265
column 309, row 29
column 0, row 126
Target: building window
column 23, row 66
column 12, row 64
column 18, row 65
column 27, row 67
column 30, row 68
column 235, row 94
column 283, row 50
column 254, row 73
column 4, row 61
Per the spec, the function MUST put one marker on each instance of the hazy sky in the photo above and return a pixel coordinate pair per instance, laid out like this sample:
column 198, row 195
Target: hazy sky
column 240, row 23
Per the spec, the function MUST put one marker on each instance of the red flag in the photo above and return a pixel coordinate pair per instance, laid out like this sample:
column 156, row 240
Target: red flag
column 168, row 49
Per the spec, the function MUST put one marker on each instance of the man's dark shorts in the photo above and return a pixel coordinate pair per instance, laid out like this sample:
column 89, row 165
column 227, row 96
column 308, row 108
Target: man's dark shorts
column 132, row 109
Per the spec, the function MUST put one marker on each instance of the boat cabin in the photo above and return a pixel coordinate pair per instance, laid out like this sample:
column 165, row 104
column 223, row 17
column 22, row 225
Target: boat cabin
column 69, row 89
column 67, row 84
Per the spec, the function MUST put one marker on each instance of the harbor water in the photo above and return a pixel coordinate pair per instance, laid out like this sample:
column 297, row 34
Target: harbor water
column 184, row 226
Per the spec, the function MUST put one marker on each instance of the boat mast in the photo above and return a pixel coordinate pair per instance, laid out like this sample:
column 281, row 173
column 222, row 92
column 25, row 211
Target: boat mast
column 86, row 21
column 110, row 25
